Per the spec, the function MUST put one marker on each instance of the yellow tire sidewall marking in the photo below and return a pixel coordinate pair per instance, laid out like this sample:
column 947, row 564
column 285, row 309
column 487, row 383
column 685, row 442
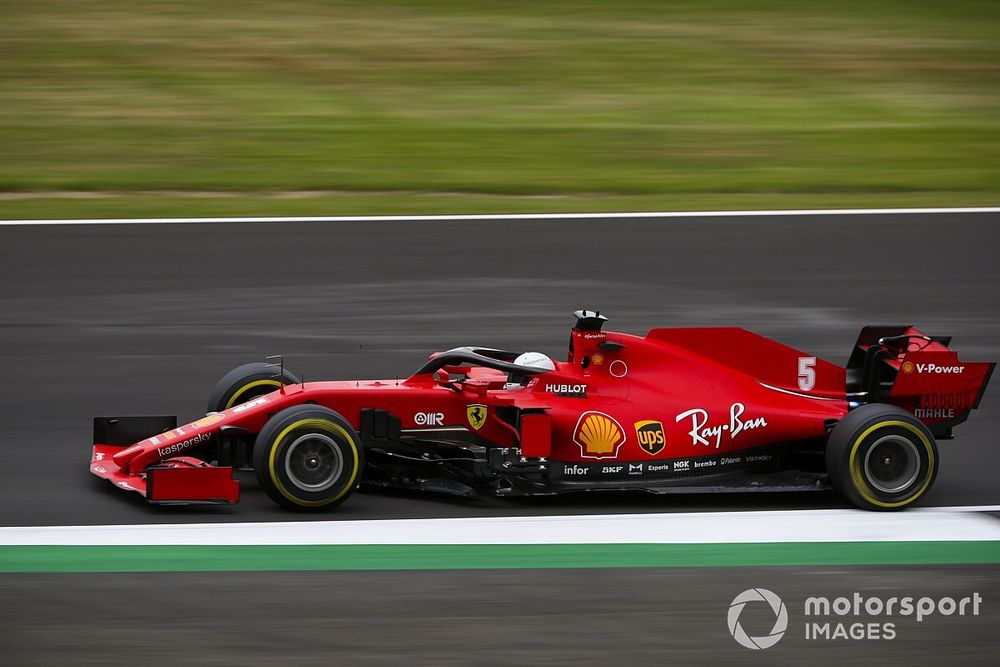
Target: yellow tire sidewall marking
column 861, row 485
column 247, row 387
column 322, row 425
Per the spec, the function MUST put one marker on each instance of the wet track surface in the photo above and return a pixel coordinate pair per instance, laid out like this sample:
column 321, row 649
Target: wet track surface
column 103, row 320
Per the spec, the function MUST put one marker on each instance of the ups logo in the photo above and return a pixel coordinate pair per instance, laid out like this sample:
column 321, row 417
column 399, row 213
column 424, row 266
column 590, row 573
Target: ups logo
column 650, row 435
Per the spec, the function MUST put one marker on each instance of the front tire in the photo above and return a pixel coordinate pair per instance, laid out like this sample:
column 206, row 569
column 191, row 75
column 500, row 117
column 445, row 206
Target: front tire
column 881, row 457
column 308, row 458
column 246, row 382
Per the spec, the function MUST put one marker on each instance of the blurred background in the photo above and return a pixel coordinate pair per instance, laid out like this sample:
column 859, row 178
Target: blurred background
column 310, row 107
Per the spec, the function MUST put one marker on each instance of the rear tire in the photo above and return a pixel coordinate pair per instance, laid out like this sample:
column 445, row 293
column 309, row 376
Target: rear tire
column 308, row 458
column 881, row 457
column 246, row 382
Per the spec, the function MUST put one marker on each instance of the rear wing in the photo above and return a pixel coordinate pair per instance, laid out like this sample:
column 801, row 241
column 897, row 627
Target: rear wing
column 920, row 373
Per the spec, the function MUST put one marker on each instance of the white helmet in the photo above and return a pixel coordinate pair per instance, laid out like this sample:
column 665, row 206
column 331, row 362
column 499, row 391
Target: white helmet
column 535, row 360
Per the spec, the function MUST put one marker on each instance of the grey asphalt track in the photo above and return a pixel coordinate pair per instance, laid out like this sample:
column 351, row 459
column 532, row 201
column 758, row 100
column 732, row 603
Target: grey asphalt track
column 512, row 617
column 144, row 320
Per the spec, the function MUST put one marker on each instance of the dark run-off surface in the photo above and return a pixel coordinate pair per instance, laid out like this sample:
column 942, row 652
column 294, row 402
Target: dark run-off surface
column 490, row 617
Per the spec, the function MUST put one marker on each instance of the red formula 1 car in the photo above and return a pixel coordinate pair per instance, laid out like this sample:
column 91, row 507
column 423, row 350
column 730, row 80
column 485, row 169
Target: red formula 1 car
column 678, row 410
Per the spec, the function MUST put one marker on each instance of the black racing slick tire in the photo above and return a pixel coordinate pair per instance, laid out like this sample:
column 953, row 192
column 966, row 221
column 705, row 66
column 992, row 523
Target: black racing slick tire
column 308, row 458
column 881, row 457
column 246, row 382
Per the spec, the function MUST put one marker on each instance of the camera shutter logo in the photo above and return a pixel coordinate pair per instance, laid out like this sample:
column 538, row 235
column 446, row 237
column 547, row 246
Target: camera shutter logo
column 780, row 618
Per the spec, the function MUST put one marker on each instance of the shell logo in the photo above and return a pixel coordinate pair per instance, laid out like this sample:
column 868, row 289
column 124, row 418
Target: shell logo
column 908, row 367
column 598, row 435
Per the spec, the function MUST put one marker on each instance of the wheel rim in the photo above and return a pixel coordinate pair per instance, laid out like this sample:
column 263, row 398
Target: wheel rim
column 313, row 462
column 892, row 464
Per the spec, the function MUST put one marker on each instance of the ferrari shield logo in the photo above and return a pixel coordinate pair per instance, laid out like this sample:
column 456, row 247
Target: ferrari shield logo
column 477, row 415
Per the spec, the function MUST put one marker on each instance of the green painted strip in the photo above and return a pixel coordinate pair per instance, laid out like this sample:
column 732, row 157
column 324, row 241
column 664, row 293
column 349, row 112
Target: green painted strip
column 422, row 557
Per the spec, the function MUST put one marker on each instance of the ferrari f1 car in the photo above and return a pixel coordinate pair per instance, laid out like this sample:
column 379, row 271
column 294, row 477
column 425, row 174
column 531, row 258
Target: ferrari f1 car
column 677, row 410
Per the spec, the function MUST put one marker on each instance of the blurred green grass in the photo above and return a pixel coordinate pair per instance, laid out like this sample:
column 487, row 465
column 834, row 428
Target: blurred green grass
column 190, row 108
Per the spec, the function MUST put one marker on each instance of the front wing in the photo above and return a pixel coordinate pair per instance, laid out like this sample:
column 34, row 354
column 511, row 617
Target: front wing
column 181, row 480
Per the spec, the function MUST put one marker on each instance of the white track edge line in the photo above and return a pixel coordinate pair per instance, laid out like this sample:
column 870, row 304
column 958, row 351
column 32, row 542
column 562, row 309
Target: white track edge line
column 921, row 525
column 507, row 216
